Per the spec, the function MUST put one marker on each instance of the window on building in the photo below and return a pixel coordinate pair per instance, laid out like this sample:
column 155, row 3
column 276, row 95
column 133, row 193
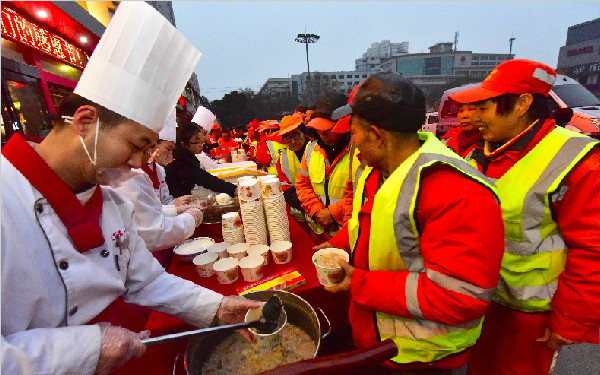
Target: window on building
column 356, row 76
column 475, row 58
column 349, row 76
column 341, row 77
column 364, row 76
column 332, row 76
column 356, row 82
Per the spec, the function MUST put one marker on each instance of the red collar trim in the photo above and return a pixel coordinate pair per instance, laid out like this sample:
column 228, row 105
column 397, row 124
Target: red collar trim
column 82, row 222
column 152, row 173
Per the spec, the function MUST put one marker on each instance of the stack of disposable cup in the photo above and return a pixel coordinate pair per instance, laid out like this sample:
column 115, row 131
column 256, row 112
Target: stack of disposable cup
column 255, row 228
column 232, row 228
column 275, row 209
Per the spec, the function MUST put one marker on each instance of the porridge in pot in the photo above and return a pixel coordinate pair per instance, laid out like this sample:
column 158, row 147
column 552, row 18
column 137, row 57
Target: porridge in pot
column 235, row 355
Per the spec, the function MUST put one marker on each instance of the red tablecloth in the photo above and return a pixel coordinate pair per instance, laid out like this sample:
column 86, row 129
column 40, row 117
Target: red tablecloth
column 159, row 359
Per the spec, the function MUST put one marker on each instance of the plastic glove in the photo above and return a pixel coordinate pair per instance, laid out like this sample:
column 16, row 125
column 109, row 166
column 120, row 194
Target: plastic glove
column 118, row 346
column 323, row 217
column 196, row 213
column 183, row 200
column 233, row 309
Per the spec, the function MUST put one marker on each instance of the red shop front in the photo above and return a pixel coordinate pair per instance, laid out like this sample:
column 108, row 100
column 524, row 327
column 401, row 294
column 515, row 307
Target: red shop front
column 44, row 51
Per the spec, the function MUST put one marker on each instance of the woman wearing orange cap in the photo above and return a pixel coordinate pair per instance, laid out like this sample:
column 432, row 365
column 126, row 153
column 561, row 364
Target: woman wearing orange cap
column 325, row 168
column 547, row 180
column 288, row 163
column 270, row 146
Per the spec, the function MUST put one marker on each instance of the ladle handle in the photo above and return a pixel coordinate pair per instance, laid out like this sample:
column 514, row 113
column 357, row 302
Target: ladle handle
column 187, row 334
column 327, row 320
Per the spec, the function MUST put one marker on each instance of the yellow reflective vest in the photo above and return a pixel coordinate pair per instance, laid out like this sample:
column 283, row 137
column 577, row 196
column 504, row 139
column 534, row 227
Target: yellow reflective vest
column 394, row 245
column 535, row 251
column 290, row 165
column 275, row 149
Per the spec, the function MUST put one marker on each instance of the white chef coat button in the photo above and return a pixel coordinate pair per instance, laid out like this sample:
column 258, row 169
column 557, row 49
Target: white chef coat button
column 39, row 208
column 73, row 311
column 63, row 265
column 104, row 253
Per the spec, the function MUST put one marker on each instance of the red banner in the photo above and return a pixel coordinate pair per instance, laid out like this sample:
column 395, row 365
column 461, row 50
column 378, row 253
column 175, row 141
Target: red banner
column 19, row 29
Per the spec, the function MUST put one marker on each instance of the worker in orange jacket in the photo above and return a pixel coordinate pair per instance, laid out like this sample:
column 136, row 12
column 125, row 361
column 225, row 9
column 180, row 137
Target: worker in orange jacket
column 325, row 169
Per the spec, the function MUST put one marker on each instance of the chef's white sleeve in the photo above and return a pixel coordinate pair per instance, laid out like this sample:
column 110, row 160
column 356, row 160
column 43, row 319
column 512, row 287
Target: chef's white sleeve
column 52, row 351
column 158, row 230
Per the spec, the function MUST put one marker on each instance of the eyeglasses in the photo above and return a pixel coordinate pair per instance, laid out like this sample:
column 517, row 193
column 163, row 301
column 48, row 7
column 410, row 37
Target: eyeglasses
column 193, row 143
column 288, row 137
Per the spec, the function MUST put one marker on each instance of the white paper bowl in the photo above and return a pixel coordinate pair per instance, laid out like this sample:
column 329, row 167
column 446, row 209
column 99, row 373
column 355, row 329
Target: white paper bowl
column 226, row 270
column 239, row 250
column 220, row 249
column 281, row 251
column 204, row 263
column 252, row 267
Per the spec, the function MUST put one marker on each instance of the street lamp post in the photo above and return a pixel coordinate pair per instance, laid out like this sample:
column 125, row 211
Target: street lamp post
column 307, row 38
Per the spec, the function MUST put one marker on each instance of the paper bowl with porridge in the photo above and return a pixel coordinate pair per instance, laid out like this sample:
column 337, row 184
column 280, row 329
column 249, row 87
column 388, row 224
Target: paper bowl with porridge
column 326, row 261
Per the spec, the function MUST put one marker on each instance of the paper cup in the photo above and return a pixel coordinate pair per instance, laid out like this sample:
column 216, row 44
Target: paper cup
column 282, row 251
column 243, row 178
column 204, row 263
column 262, row 250
column 252, row 267
column 239, row 250
column 226, row 270
column 220, row 249
column 328, row 273
column 231, row 221
column 192, row 247
column 249, row 190
column 271, row 187
column 268, row 341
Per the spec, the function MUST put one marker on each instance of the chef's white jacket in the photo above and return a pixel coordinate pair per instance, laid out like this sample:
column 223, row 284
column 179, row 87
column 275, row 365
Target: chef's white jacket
column 159, row 226
column 50, row 290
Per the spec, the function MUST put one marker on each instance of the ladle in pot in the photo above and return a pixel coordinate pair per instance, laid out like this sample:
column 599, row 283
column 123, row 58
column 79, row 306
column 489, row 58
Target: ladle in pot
column 267, row 323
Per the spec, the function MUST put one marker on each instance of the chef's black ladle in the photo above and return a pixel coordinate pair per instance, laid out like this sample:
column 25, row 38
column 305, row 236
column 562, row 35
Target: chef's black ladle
column 267, row 323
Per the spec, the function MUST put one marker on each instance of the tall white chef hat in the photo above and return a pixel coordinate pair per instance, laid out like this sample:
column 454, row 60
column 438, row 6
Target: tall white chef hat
column 140, row 66
column 204, row 118
column 168, row 132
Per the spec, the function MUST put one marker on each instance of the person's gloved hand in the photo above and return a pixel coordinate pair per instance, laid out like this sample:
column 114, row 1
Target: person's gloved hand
column 233, row 309
column 323, row 217
column 118, row 346
column 183, row 200
column 196, row 213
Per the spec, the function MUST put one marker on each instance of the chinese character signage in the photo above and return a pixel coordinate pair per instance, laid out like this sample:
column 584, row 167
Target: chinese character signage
column 21, row 30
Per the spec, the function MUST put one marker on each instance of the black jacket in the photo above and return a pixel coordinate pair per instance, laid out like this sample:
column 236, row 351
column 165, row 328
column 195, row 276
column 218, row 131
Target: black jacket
column 184, row 172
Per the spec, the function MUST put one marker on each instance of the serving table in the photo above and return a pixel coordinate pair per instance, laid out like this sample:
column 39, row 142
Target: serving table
column 159, row 359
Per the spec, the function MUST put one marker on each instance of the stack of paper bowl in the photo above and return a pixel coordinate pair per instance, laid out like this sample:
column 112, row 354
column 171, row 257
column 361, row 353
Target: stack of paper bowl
column 255, row 228
column 232, row 228
column 248, row 189
column 275, row 209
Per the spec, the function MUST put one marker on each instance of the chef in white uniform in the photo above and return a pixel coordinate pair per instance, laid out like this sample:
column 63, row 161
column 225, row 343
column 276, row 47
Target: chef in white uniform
column 161, row 220
column 205, row 119
column 69, row 247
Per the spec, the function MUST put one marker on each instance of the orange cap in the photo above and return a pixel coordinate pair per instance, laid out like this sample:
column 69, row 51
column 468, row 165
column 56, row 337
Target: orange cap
column 517, row 76
column 342, row 125
column 215, row 126
column 321, row 123
column 268, row 124
column 289, row 123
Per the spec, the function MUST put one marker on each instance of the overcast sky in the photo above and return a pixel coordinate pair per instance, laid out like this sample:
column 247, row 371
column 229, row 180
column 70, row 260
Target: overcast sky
column 246, row 42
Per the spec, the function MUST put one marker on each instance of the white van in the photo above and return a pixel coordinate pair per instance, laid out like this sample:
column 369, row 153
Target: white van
column 566, row 93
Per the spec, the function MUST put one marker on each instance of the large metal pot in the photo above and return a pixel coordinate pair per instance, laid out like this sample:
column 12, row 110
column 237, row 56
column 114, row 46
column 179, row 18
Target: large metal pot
column 299, row 312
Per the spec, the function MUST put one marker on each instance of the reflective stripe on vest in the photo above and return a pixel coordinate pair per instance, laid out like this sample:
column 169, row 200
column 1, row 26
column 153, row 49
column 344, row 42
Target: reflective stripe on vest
column 275, row 149
column 535, row 251
column 336, row 183
column 394, row 245
column 289, row 165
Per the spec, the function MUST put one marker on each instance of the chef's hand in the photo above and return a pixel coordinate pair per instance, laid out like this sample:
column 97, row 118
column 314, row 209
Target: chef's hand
column 233, row 310
column 344, row 286
column 197, row 214
column 324, row 245
column 553, row 339
column 323, row 217
column 183, row 200
column 119, row 345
